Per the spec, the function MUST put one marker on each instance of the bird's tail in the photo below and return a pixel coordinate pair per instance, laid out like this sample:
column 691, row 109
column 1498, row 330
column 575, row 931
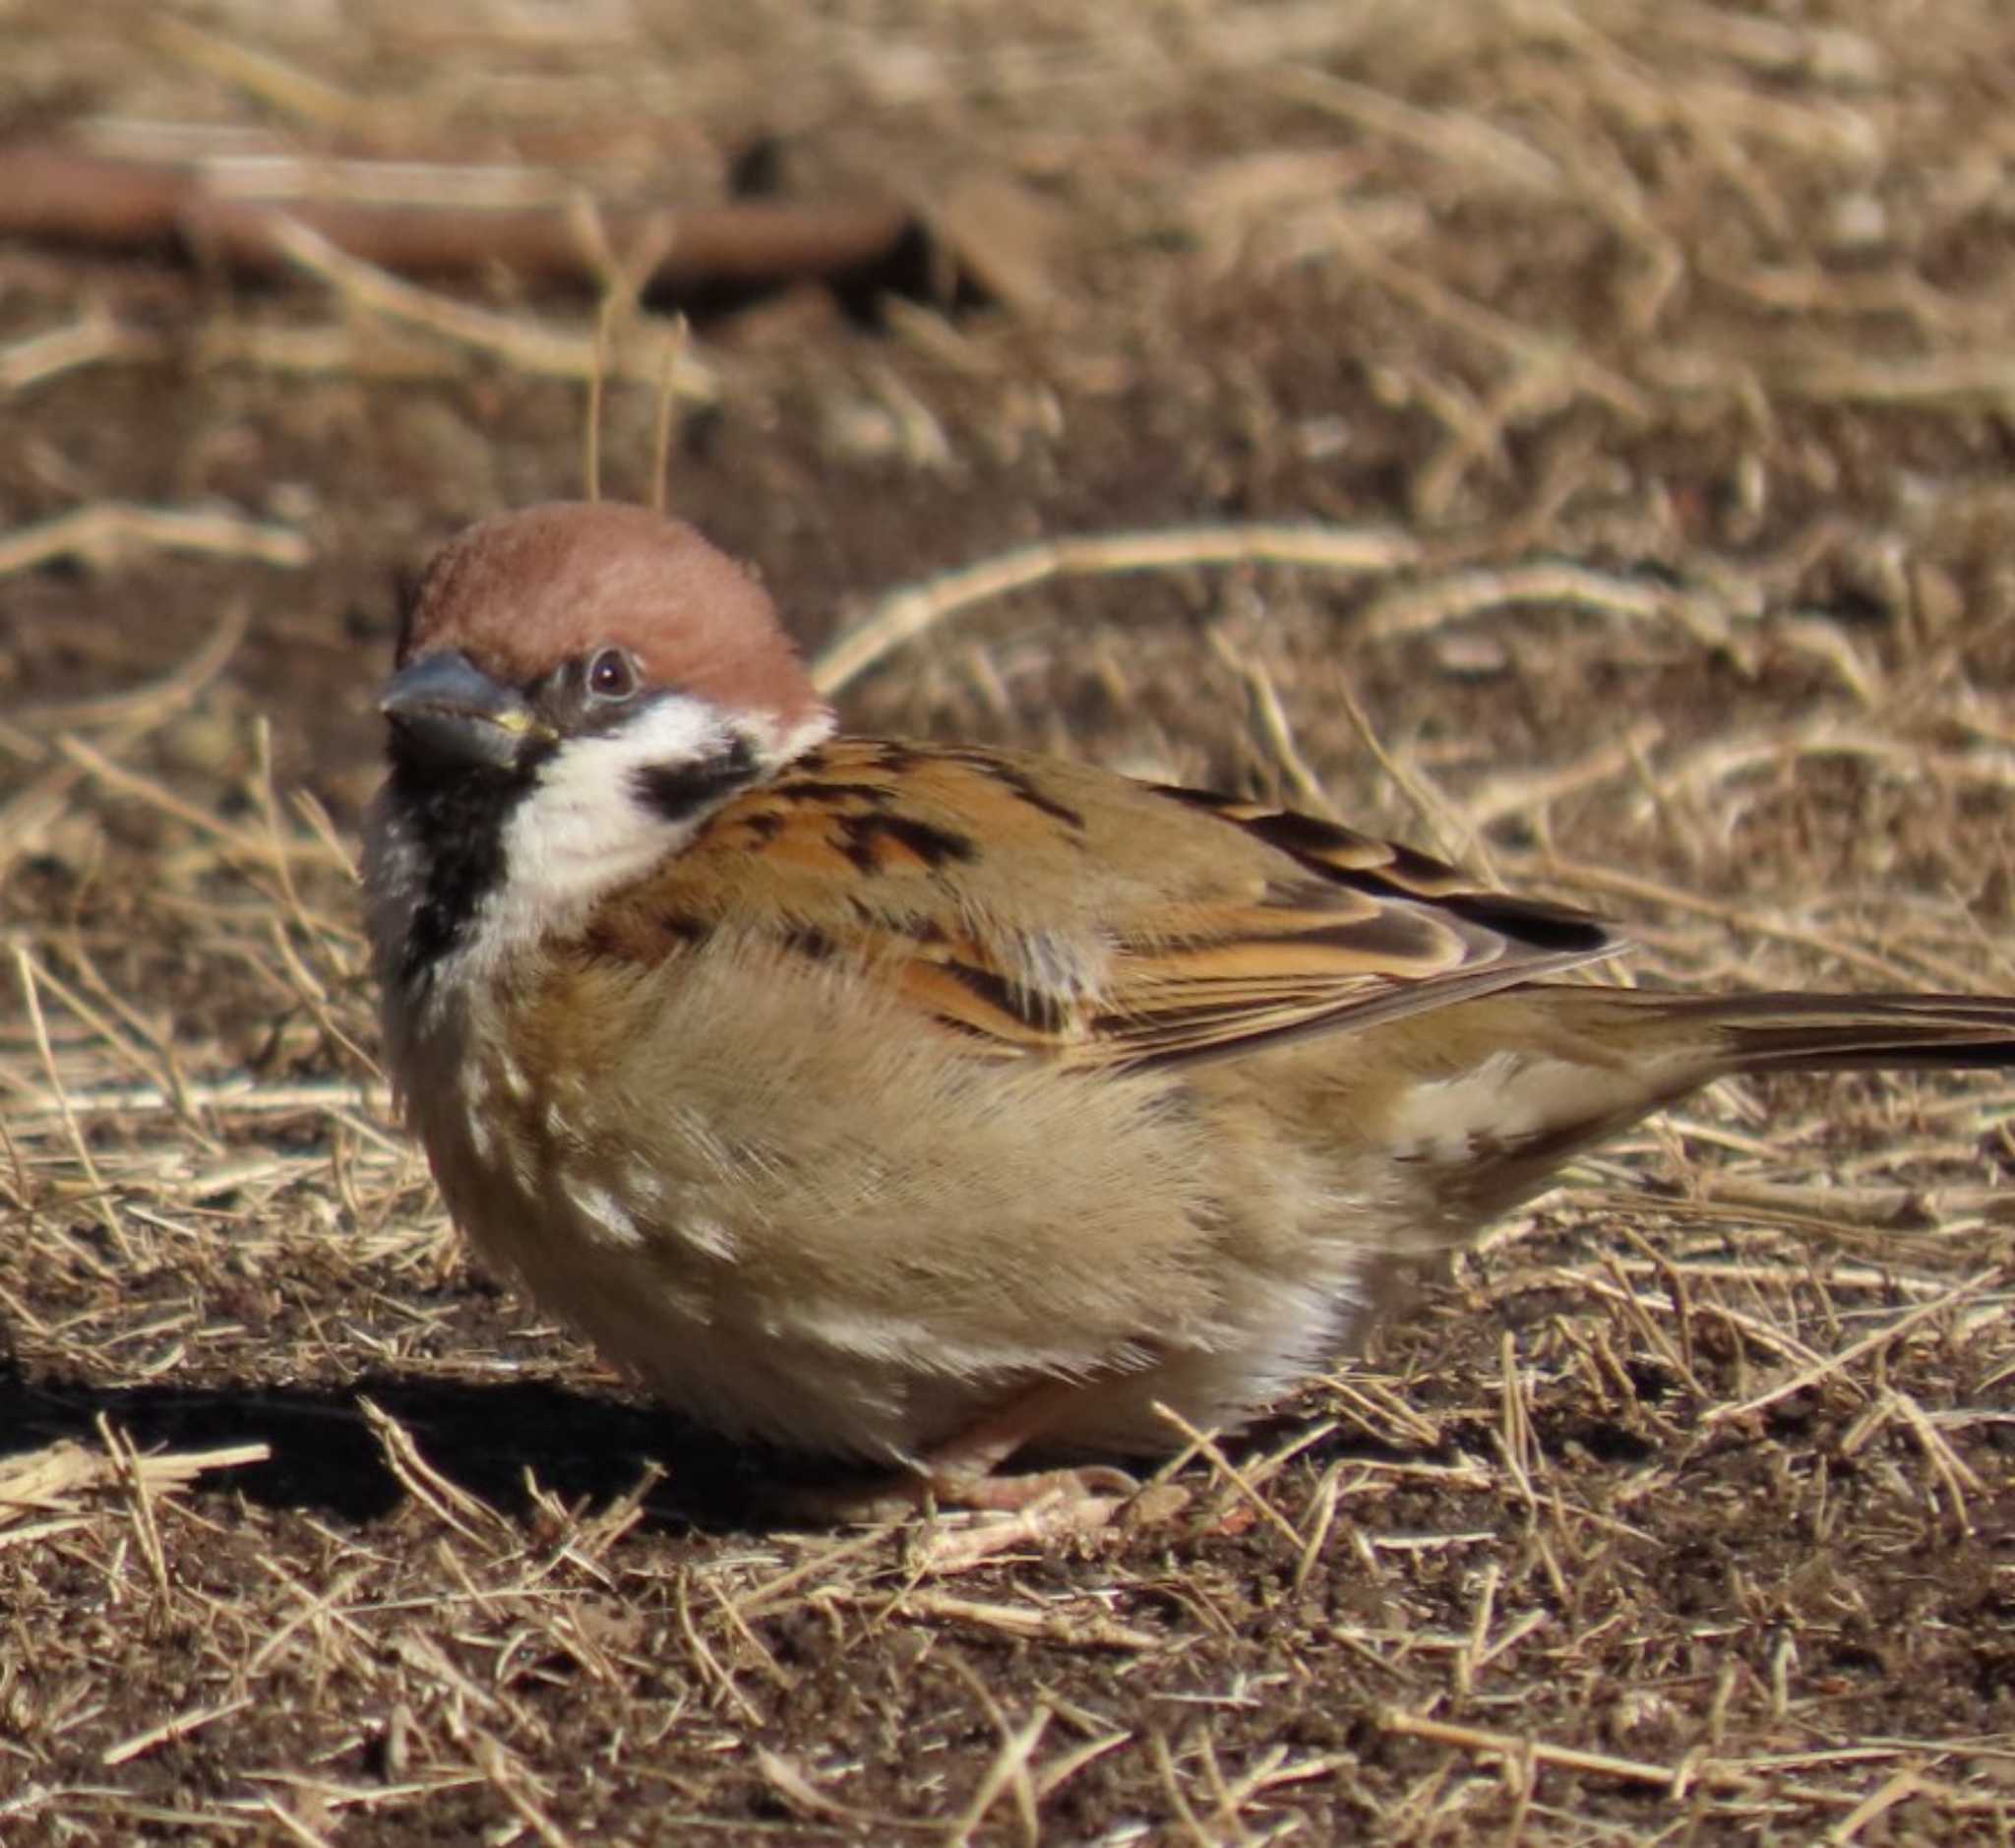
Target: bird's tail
column 1847, row 1033
column 1593, row 1060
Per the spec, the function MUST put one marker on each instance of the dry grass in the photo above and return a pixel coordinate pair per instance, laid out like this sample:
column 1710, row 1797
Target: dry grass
column 1571, row 435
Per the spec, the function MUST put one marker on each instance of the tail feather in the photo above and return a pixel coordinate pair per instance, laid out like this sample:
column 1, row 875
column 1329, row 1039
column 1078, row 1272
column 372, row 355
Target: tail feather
column 1853, row 1032
column 1593, row 1060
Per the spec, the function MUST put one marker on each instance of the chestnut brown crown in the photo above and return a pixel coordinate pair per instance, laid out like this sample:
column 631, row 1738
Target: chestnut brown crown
column 522, row 592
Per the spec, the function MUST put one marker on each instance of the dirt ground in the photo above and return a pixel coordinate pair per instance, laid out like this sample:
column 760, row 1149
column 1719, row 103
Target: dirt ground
column 1584, row 427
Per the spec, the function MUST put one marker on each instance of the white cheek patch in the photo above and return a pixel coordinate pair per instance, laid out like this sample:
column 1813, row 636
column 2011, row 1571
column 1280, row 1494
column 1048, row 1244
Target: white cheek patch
column 586, row 826
column 582, row 817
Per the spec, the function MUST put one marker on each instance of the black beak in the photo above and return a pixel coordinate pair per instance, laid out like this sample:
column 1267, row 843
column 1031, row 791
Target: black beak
column 450, row 709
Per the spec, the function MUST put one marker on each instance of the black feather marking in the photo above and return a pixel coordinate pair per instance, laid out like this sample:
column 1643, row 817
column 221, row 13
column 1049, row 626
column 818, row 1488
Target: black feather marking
column 811, row 943
column 894, row 759
column 1193, row 798
column 935, row 846
column 1024, row 788
column 1305, row 836
column 1407, row 875
column 1034, row 1007
column 1554, row 928
column 837, row 794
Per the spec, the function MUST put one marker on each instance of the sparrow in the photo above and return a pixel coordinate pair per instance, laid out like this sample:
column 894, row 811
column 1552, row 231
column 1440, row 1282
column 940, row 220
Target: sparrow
column 922, row 1104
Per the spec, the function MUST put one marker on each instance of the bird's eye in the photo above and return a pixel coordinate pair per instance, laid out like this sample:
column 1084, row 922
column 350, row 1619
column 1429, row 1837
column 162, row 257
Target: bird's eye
column 612, row 675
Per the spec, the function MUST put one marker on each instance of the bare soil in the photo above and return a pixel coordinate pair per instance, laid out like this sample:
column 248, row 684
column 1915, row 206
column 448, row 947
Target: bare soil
column 1636, row 377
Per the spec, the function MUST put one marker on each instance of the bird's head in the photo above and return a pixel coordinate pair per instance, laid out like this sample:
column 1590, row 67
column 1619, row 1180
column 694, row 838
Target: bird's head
column 577, row 688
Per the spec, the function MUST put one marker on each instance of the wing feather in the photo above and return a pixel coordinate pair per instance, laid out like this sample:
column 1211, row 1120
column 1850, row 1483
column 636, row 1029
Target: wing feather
column 1140, row 924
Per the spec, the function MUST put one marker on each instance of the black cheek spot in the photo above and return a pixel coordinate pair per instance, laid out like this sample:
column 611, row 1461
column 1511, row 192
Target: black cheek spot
column 679, row 791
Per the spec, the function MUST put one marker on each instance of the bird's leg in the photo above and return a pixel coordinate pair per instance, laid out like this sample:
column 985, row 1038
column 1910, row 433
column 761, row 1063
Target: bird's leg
column 965, row 1472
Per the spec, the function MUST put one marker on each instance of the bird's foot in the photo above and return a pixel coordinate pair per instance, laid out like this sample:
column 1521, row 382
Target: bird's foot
column 1034, row 1508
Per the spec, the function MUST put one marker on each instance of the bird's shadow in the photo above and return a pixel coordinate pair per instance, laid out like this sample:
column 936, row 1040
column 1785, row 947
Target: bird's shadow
column 495, row 1440
column 492, row 1439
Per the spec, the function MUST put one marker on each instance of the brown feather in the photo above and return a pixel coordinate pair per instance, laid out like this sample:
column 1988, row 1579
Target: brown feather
column 1141, row 924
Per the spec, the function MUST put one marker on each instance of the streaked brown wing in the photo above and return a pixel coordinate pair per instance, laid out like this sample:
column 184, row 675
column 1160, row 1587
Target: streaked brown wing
column 1139, row 924
column 1380, row 930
